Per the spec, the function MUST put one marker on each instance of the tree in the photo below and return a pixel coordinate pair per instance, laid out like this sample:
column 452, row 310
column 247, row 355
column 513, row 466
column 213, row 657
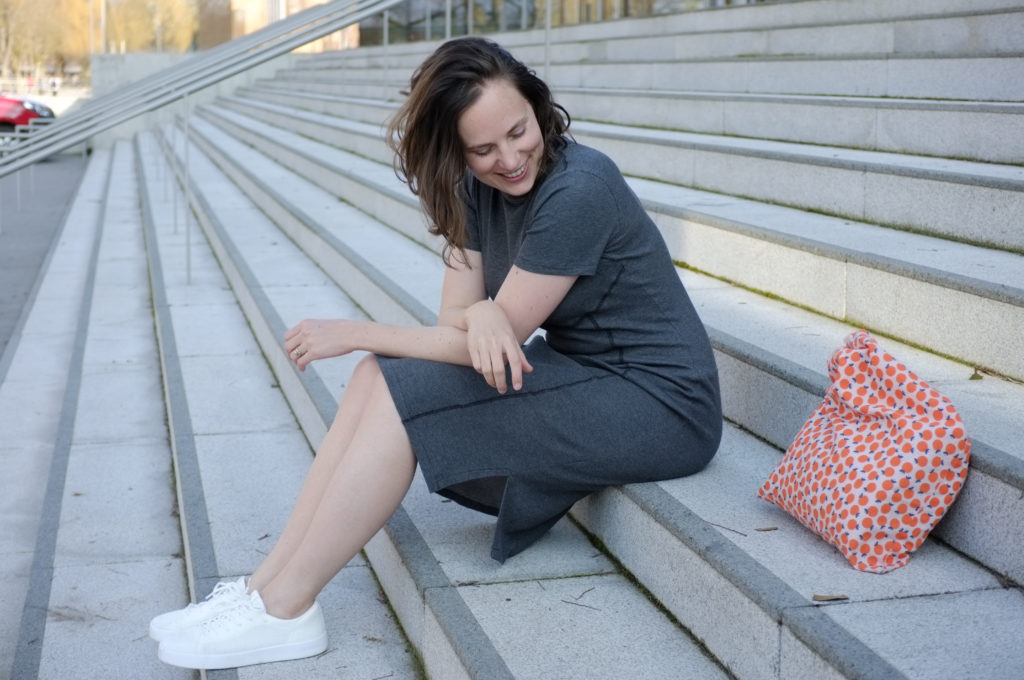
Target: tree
column 11, row 13
column 38, row 35
column 151, row 25
column 24, row 25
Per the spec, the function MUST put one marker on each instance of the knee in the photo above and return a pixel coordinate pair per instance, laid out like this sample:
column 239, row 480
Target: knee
column 369, row 384
column 360, row 385
column 365, row 375
column 367, row 366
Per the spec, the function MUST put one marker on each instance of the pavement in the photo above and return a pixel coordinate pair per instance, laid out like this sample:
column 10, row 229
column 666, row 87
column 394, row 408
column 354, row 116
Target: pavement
column 33, row 203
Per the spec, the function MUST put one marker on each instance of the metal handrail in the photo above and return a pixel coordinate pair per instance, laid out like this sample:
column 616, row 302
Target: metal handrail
column 198, row 72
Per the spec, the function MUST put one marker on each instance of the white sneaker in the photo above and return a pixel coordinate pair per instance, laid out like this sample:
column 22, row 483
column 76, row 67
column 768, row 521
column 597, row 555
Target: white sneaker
column 225, row 594
column 246, row 634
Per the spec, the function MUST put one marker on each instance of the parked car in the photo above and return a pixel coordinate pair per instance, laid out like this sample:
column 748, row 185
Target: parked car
column 15, row 110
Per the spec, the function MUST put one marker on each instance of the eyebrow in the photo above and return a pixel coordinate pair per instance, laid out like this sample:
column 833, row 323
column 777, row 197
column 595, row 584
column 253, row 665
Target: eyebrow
column 478, row 147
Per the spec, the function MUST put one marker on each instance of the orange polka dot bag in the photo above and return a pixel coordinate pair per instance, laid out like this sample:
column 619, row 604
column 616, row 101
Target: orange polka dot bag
column 877, row 464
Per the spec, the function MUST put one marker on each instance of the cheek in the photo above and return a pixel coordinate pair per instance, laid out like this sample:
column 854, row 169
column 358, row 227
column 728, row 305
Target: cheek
column 476, row 164
column 537, row 143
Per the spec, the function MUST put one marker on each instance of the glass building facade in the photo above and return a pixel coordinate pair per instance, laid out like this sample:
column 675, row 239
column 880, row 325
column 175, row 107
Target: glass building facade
column 415, row 20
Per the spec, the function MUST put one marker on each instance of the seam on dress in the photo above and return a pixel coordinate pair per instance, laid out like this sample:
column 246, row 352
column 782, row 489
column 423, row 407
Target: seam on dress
column 589, row 316
column 515, row 395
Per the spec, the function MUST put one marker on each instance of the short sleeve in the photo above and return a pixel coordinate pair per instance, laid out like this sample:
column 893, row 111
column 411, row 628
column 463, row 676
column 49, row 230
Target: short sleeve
column 570, row 226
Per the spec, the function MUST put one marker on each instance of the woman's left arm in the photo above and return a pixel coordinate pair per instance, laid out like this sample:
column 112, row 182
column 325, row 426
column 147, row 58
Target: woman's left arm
column 496, row 330
column 528, row 299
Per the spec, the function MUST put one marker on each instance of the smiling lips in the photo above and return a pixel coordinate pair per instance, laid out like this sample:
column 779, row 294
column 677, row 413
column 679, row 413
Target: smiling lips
column 518, row 174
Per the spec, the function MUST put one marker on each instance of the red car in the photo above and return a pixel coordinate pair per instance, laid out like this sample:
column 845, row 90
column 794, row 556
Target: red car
column 16, row 110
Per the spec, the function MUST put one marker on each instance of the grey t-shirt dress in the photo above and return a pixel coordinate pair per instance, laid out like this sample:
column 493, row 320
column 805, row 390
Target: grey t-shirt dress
column 624, row 387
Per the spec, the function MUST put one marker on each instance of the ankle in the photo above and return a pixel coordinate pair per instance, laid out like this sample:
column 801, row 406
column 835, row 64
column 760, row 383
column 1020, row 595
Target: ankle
column 283, row 607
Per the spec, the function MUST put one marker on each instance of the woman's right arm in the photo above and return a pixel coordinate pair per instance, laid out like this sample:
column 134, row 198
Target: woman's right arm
column 463, row 288
column 463, row 285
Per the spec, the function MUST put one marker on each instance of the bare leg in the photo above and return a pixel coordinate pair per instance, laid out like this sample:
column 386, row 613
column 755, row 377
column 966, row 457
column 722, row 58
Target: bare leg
column 330, row 452
column 342, row 512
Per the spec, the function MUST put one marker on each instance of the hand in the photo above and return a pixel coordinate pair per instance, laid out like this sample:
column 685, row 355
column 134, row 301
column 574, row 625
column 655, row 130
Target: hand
column 317, row 339
column 492, row 344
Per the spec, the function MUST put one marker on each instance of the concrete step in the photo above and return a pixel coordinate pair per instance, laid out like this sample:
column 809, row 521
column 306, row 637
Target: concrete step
column 91, row 423
column 232, row 432
column 786, row 29
column 763, row 362
column 962, row 34
column 359, row 109
column 892, row 281
column 743, row 576
column 370, row 88
column 35, row 422
column 914, row 76
column 95, row 549
column 934, row 196
column 984, row 78
column 809, row 637
column 962, row 200
column 979, row 131
column 454, row 602
column 897, row 283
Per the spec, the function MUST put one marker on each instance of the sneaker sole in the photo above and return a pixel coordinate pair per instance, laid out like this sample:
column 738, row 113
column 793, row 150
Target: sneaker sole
column 288, row 652
column 159, row 634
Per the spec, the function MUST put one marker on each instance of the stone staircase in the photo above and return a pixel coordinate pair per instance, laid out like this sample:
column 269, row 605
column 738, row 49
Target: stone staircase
column 815, row 166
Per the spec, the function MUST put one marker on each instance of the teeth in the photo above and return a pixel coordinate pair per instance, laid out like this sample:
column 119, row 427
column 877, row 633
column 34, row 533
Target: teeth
column 519, row 171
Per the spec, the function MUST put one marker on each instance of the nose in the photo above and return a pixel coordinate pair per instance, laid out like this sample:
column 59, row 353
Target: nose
column 508, row 157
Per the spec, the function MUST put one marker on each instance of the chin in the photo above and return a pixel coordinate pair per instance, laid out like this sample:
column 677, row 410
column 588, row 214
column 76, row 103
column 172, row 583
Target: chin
column 518, row 189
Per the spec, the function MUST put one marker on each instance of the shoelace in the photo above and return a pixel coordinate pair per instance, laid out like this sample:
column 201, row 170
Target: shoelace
column 221, row 592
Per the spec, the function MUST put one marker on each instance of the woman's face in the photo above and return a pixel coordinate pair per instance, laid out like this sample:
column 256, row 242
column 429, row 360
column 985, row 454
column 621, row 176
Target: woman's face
column 501, row 139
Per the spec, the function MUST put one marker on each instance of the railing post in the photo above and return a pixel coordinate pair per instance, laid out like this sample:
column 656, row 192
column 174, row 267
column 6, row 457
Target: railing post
column 173, row 170
column 427, row 19
column 165, row 178
column 547, row 41
column 447, row 19
column 188, row 200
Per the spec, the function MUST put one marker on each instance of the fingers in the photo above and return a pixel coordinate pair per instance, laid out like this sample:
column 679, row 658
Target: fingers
column 490, row 362
column 518, row 365
column 296, row 346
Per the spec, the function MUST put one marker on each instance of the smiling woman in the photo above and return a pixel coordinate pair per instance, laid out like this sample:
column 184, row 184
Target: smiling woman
column 432, row 155
column 541, row 234
column 503, row 142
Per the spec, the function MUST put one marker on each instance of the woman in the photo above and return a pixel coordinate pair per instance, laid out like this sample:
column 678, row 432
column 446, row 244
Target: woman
column 539, row 232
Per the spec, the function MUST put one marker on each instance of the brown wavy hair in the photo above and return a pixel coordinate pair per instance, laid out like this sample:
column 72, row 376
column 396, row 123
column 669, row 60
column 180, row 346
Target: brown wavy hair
column 424, row 134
